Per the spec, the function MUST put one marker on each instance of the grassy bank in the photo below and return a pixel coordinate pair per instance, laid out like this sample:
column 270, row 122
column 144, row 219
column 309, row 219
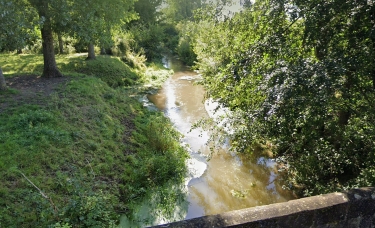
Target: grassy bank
column 80, row 151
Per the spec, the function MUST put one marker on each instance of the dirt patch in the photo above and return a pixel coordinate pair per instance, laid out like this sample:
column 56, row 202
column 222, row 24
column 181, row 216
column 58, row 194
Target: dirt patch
column 31, row 89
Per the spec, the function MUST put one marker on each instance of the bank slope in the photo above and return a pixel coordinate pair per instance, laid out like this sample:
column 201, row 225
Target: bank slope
column 84, row 152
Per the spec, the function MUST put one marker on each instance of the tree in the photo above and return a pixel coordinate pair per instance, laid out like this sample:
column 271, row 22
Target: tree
column 178, row 10
column 61, row 43
column 17, row 24
column 3, row 85
column 46, row 10
column 16, row 28
column 93, row 22
column 147, row 10
column 298, row 74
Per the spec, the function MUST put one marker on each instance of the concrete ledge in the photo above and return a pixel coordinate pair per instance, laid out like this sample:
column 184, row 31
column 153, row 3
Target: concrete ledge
column 354, row 208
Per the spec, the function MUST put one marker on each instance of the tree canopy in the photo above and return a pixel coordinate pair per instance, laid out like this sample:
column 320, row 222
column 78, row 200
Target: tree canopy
column 299, row 74
column 148, row 10
column 179, row 10
column 93, row 22
column 17, row 27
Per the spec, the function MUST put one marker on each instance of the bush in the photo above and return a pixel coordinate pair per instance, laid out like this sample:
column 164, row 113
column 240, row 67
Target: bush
column 93, row 209
column 171, row 37
column 157, row 141
column 186, row 53
column 185, row 44
column 148, row 39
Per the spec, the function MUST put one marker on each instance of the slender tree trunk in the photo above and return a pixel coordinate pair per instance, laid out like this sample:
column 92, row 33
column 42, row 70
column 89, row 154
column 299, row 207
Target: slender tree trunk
column 91, row 55
column 61, row 44
column 3, row 85
column 102, row 51
column 50, row 68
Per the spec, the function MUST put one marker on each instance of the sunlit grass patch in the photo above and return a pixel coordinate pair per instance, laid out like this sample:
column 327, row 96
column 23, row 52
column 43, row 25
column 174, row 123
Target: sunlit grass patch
column 155, row 75
column 14, row 64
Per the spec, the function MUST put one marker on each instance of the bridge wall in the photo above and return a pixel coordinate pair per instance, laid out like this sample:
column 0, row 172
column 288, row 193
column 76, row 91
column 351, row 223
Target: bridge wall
column 354, row 208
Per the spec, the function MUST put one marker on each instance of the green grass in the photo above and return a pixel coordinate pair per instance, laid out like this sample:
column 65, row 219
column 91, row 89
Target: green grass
column 91, row 148
column 21, row 64
column 109, row 69
column 155, row 74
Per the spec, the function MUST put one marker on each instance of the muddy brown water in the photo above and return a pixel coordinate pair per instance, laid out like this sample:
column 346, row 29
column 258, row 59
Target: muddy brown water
column 228, row 181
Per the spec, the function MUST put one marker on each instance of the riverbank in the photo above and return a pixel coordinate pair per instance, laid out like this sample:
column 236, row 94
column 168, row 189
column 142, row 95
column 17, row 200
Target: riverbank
column 222, row 180
column 81, row 150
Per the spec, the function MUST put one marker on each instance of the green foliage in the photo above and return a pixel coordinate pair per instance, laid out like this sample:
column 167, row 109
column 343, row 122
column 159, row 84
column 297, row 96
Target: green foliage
column 147, row 39
column 94, row 22
column 184, row 48
column 69, row 45
column 147, row 11
column 62, row 225
column 93, row 209
column 122, row 44
column 130, row 56
column 139, row 42
column 155, row 75
column 157, row 141
column 171, row 37
column 160, row 164
column 186, row 53
column 17, row 25
column 179, row 10
column 297, row 74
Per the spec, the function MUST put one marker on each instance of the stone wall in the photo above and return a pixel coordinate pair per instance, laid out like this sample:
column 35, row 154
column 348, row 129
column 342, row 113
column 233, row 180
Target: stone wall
column 354, row 208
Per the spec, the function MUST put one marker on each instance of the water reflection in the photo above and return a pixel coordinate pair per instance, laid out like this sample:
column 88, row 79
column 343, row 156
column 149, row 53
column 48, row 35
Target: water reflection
column 230, row 182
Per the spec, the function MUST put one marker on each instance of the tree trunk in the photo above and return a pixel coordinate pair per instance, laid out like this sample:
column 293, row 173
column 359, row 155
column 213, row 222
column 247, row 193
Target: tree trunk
column 91, row 55
column 19, row 51
column 61, row 44
column 50, row 68
column 3, row 85
column 102, row 51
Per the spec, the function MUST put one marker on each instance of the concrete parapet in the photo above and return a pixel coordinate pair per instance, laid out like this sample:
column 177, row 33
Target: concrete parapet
column 354, row 208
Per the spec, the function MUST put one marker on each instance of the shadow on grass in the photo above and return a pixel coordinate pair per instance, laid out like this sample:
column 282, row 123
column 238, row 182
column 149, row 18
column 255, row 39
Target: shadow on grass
column 13, row 64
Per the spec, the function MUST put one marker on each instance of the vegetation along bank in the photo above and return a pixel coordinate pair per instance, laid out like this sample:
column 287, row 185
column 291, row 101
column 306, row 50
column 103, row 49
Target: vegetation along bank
column 297, row 77
column 75, row 150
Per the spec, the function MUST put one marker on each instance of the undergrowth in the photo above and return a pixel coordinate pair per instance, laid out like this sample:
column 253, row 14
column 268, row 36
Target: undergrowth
column 88, row 155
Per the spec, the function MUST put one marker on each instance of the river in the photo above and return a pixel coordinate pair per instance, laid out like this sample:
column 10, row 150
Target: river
column 224, row 182
column 227, row 181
